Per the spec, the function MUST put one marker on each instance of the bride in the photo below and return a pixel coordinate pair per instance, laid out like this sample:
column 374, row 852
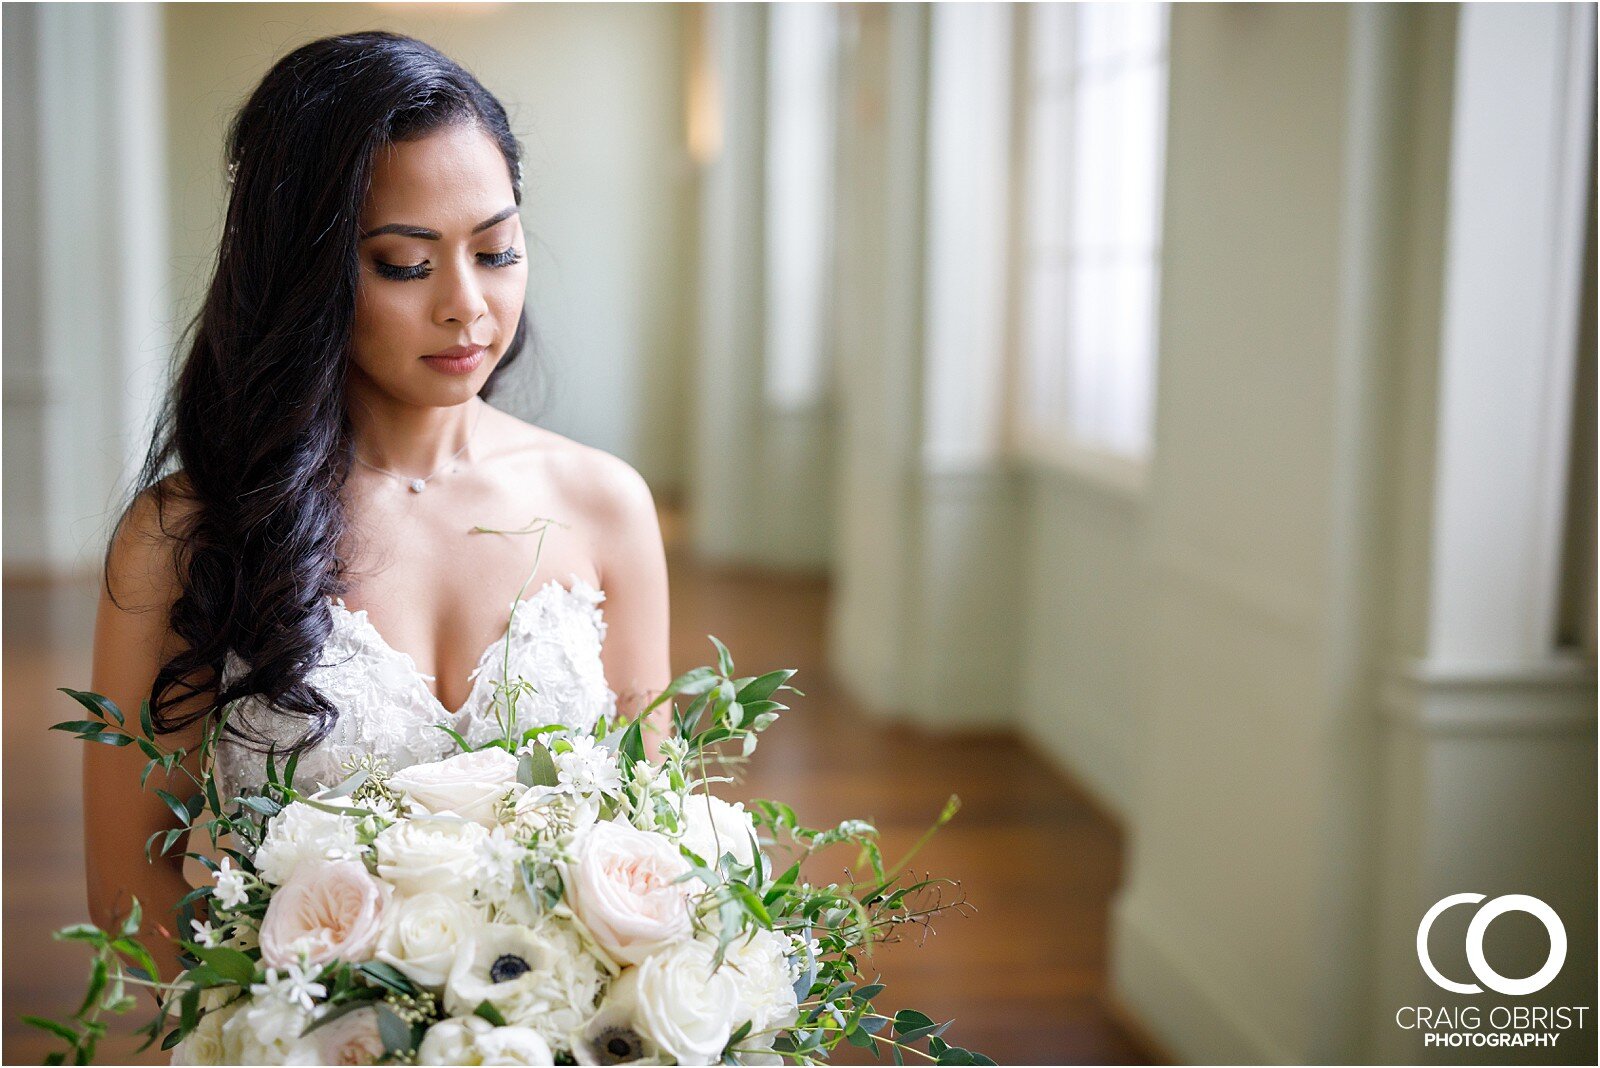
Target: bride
column 332, row 524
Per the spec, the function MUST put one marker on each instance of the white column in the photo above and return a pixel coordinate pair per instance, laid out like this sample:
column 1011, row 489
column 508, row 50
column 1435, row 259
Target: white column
column 1522, row 138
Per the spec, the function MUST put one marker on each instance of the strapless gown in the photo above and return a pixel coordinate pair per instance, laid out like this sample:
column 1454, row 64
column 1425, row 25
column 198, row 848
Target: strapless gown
column 385, row 706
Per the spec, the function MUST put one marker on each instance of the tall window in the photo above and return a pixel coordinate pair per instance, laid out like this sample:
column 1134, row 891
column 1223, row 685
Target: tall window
column 1097, row 80
column 802, row 43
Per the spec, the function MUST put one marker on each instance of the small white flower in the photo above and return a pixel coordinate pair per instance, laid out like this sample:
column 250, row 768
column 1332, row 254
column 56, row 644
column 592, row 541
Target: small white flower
column 497, row 857
column 801, row 951
column 230, row 885
column 588, row 768
column 382, row 808
column 296, row 986
column 204, row 934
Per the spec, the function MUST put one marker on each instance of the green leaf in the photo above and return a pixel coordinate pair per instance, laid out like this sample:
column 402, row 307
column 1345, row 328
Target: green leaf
column 79, row 726
column 96, row 704
column 130, row 948
column 97, row 984
column 180, row 808
column 189, row 1010
column 454, row 736
column 130, row 925
column 631, row 745
column 752, row 903
column 82, row 932
column 387, row 976
column 910, row 1020
column 60, row 1030
column 698, row 680
column 762, row 687
column 349, row 786
column 490, row 1013
column 108, row 738
column 541, row 767
column 724, row 658
column 229, row 963
column 264, row 805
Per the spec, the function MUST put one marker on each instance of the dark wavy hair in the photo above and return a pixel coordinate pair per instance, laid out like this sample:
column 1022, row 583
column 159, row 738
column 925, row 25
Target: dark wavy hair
column 253, row 438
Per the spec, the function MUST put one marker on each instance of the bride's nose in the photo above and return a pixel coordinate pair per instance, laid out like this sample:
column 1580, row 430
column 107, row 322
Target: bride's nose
column 460, row 297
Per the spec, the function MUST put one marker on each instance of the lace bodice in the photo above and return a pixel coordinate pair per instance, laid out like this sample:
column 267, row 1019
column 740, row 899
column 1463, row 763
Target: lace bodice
column 386, row 709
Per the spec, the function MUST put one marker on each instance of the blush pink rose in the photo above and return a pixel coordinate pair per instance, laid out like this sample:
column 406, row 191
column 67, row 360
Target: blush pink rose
column 328, row 910
column 351, row 1039
column 622, row 884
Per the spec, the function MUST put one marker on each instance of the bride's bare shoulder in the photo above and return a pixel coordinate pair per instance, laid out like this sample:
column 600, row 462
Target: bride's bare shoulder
column 144, row 557
column 597, row 485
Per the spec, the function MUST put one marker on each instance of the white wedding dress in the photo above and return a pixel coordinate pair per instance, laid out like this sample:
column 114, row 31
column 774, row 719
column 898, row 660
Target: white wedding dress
column 386, row 709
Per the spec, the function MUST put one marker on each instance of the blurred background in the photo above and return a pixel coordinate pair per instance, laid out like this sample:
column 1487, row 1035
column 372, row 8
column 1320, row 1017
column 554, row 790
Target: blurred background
column 1169, row 427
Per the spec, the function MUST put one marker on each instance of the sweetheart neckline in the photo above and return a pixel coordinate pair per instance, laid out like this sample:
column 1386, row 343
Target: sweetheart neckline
column 474, row 677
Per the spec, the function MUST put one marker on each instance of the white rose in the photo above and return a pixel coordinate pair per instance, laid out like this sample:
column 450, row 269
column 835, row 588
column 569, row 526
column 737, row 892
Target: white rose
column 438, row 855
column 474, row 1040
column 679, row 1001
column 622, row 884
column 763, row 982
column 351, row 1039
column 421, row 933
column 206, row 1044
column 714, row 827
column 469, row 785
column 301, row 833
column 539, row 977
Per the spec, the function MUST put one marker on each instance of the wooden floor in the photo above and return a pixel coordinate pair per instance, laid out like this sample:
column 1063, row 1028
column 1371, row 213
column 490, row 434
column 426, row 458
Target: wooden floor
column 1023, row 976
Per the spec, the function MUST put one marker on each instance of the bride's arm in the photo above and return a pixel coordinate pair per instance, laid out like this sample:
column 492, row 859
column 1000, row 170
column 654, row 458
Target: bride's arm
column 132, row 638
column 633, row 574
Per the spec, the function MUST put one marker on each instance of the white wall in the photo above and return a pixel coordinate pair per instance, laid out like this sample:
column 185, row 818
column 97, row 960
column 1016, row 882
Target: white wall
column 596, row 94
column 1239, row 652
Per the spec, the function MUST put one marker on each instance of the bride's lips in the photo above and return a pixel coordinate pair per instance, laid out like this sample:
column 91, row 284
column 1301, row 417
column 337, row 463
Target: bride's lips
column 461, row 360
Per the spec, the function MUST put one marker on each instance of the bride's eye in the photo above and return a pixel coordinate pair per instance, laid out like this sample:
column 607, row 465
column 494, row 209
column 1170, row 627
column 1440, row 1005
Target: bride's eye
column 402, row 273
column 504, row 258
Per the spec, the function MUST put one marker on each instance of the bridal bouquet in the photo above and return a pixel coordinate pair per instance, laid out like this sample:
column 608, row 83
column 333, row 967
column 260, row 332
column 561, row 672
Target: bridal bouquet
column 553, row 897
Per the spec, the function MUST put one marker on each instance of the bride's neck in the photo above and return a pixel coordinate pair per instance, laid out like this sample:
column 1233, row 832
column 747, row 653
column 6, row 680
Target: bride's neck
column 410, row 440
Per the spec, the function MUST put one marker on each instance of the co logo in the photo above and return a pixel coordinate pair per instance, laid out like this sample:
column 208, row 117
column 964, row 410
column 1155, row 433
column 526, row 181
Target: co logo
column 1475, row 931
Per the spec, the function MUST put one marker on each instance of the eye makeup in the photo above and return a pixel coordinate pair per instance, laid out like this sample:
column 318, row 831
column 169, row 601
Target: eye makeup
column 404, row 273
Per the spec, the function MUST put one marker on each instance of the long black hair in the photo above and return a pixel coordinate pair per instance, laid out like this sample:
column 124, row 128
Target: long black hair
column 253, row 439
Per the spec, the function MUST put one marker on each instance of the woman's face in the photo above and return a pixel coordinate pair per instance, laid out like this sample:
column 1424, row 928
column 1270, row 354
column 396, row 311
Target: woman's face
column 443, row 269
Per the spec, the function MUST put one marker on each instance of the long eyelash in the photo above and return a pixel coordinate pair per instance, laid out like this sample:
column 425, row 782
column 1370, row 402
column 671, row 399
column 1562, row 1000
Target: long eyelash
column 504, row 258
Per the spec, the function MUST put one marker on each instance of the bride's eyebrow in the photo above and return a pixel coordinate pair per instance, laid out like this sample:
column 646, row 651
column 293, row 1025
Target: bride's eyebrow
column 406, row 230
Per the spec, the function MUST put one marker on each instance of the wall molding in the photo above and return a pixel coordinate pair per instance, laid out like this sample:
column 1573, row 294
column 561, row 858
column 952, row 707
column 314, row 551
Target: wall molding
column 1178, row 1000
column 1555, row 696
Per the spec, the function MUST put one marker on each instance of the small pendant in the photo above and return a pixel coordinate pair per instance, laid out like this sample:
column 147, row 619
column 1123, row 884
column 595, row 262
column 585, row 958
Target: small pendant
column 418, row 485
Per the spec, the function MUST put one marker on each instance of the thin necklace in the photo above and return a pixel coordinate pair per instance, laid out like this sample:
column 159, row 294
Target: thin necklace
column 417, row 485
